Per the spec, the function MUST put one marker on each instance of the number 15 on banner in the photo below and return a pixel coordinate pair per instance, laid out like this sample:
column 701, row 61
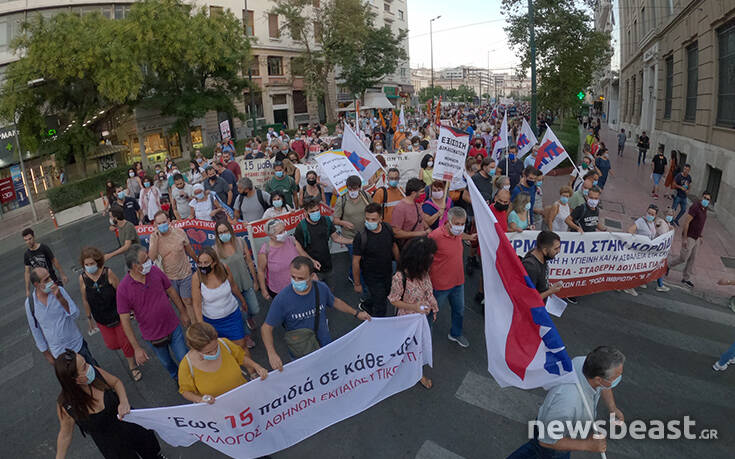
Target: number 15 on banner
column 245, row 416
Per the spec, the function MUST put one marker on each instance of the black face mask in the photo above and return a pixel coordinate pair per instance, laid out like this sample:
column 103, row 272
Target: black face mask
column 205, row 269
column 501, row 207
column 311, row 182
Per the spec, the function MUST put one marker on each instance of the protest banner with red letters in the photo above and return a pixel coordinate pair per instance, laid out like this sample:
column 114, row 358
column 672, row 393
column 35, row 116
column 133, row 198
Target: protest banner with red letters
column 201, row 233
column 374, row 361
column 258, row 170
column 601, row 261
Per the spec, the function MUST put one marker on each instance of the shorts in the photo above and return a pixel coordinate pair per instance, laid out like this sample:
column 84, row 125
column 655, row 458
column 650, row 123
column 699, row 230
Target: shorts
column 231, row 327
column 182, row 286
column 114, row 338
column 656, row 178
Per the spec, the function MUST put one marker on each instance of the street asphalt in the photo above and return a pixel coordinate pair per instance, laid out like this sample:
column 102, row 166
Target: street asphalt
column 670, row 340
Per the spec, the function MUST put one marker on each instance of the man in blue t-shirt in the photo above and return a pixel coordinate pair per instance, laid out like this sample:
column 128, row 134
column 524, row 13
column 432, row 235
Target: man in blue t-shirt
column 295, row 308
column 681, row 184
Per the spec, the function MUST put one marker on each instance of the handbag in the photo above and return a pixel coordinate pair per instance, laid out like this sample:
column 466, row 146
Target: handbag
column 303, row 341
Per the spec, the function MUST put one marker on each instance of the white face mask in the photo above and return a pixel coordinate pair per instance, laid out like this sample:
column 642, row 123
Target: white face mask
column 506, row 187
column 457, row 229
column 430, row 164
column 437, row 194
column 353, row 194
column 593, row 202
column 146, row 267
column 281, row 237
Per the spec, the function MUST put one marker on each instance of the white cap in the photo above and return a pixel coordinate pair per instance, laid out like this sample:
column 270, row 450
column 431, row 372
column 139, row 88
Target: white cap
column 198, row 187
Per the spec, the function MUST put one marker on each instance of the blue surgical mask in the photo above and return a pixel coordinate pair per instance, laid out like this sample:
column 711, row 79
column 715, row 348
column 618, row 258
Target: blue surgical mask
column 91, row 269
column 492, row 172
column 614, row 383
column 147, row 184
column 214, row 356
column 512, row 157
column 393, row 183
column 371, row 226
column 199, row 195
column 91, row 374
column 121, row 195
column 705, row 202
column 595, row 183
column 277, row 203
column 650, row 218
column 299, row 286
column 279, row 174
column 539, row 183
column 315, row 216
column 528, row 206
column 563, row 200
column 225, row 237
column 585, row 191
column 163, row 227
column 669, row 218
column 49, row 285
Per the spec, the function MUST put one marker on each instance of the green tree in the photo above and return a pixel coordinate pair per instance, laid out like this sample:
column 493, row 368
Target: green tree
column 568, row 48
column 192, row 61
column 427, row 93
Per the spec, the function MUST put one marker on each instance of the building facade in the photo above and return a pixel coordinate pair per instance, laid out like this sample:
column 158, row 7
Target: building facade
column 605, row 82
column 677, row 83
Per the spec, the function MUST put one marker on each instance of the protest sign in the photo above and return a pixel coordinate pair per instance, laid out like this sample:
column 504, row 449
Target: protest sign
column 372, row 362
column 257, row 170
column 224, row 129
column 551, row 153
column 408, row 164
column 597, row 262
column 257, row 233
column 201, row 233
column 451, row 152
column 336, row 167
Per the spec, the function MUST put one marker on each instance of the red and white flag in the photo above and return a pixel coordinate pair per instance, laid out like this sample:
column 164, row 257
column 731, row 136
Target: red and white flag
column 526, row 139
column 524, row 349
column 502, row 142
column 550, row 154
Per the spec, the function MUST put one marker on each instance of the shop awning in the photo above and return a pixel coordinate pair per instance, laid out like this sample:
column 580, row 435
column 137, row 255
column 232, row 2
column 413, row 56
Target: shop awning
column 376, row 100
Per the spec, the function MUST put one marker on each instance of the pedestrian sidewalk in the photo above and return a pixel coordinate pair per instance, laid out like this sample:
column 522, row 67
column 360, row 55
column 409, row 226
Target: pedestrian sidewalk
column 12, row 224
column 626, row 197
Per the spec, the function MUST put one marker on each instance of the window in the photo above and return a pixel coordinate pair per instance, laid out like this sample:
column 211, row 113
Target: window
column 255, row 66
column 122, row 11
column 652, row 11
column 635, row 33
column 215, row 11
column 279, row 99
column 275, row 65
column 640, row 94
column 690, row 114
column 273, row 31
column 403, row 72
column 632, row 97
column 297, row 67
column 318, row 31
column 248, row 19
column 669, row 87
column 386, row 7
column 643, row 22
column 400, row 14
column 671, row 7
column 714, row 177
column 258, row 97
column 630, row 44
column 726, row 75
column 299, row 102
column 9, row 29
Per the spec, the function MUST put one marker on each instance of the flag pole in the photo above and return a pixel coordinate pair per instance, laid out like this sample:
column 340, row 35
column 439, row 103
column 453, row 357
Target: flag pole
column 589, row 411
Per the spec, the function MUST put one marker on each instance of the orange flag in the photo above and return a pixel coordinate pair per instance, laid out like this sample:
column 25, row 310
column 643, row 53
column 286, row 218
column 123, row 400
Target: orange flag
column 438, row 110
column 382, row 120
column 394, row 120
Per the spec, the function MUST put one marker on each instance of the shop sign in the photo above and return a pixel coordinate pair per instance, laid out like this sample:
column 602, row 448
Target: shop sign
column 7, row 191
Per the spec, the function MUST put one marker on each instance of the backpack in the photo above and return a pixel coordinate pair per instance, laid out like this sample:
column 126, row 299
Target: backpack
column 385, row 199
column 263, row 203
column 305, row 229
column 344, row 201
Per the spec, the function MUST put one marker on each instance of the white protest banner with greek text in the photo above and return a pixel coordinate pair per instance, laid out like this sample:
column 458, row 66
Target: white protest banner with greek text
column 597, row 262
column 372, row 362
column 451, row 151
column 336, row 167
column 257, row 170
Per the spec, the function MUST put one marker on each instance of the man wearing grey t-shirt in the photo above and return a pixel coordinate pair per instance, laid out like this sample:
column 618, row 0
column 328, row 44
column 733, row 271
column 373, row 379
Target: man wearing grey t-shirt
column 181, row 194
column 250, row 203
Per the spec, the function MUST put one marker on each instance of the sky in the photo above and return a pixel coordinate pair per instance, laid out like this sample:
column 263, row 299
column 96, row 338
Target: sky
column 464, row 34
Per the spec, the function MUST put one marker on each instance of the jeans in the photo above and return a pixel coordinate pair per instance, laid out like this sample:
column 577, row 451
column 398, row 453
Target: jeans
column 177, row 347
column 621, row 148
column 728, row 355
column 252, row 301
column 533, row 450
column 456, row 301
column 642, row 154
column 679, row 201
column 660, row 281
column 84, row 352
column 349, row 273
column 378, row 291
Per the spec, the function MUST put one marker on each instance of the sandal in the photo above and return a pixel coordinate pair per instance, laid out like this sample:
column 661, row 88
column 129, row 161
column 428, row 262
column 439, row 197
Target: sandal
column 426, row 383
column 135, row 374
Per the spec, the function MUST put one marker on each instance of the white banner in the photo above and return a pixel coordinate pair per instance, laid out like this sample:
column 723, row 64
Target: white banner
column 372, row 362
column 451, row 152
column 551, row 152
column 502, row 142
column 409, row 164
column 257, row 170
column 224, row 129
column 336, row 167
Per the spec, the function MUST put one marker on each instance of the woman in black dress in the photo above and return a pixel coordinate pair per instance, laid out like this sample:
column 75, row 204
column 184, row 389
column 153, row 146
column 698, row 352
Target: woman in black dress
column 96, row 401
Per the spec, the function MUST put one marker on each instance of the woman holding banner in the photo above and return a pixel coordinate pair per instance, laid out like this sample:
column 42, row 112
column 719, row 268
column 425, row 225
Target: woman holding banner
column 274, row 259
column 212, row 365
column 278, row 205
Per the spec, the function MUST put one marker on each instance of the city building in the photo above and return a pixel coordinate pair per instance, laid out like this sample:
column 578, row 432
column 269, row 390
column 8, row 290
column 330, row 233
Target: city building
column 605, row 81
column 678, row 84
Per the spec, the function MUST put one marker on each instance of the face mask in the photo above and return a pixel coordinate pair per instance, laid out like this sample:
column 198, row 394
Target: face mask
column 146, row 267
column 315, row 216
column 669, row 218
column 311, row 182
column 650, row 218
column 91, row 374
column 478, row 145
column 277, row 203
column 506, row 187
column 353, row 194
column 225, row 237
column 593, row 202
column 132, row 174
column 530, row 182
column 147, row 184
column 437, row 194
column 491, row 172
column 281, row 237
column 158, row 171
column 430, row 164
column 214, row 356
column 705, row 202
column 279, row 174
column 91, row 269
column 528, row 206
column 512, row 157
column 584, row 166
column 199, row 195
column 457, row 229
column 585, row 191
column 393, row 183
column 163, row 227
column 539, row 183
column 205, row 269
column 47, row 288
column 595, row 183
column 501, row 207
column 299, row 286
column 371, row 226
column 563, row 200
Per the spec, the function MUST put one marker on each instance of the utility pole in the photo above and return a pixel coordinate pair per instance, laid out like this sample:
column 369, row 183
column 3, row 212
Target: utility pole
column 431, row 45
column 532, row 46
column 23, row 169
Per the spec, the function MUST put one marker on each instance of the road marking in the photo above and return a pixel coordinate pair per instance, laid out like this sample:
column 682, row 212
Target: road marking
column 719, row 317
column 510, row 402
column 16, row 368
column 7, row 341
column 15, row 312
column 430, row 450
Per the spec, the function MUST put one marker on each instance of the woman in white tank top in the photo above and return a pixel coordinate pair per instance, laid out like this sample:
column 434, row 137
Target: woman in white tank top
column 559, row 211
column 215, row 296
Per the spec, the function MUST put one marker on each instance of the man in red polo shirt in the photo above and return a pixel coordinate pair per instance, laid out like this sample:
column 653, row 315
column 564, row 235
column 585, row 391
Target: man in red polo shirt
column 231, row 164
column 447, row 273
column 691, row 238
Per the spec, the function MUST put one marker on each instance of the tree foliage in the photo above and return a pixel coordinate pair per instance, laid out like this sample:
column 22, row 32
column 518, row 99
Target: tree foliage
column 568, row 49
column 463, row 93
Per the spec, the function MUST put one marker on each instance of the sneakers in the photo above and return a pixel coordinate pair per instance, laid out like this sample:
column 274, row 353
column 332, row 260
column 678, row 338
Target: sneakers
column 249, row 343
column 688, row 283
column 717, row 367
column 571, row 299
column 643, row 286
column 480, row 297
column 631, row 291
column 461, row 340
column 663, row 288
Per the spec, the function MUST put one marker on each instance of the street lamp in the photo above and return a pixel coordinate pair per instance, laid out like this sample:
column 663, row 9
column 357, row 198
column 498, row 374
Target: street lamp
column 431, row 44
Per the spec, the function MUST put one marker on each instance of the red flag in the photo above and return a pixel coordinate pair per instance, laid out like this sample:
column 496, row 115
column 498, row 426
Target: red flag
column 438, row 110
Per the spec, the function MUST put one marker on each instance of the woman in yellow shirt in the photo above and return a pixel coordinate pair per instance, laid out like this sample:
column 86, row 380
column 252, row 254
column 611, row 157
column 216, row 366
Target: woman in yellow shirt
column 427, row 169
column 212, row 366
